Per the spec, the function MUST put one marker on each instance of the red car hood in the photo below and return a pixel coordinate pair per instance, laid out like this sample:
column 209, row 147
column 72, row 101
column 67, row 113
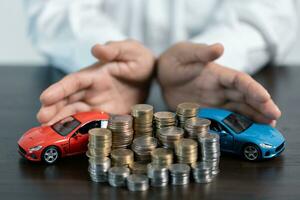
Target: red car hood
column 39, row 136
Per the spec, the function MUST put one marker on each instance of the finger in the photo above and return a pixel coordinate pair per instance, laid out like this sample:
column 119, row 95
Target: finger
column 46, row 113
column 78, row 96
column 192, row 52
column 69, row 110
column 69, row 85
column 248, row 111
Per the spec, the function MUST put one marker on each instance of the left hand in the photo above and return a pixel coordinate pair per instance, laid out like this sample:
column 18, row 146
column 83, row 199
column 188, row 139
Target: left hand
column 188, row 72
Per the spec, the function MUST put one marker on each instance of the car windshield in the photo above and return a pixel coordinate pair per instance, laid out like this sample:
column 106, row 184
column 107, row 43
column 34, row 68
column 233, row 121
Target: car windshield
column 237, row 123
column 65, row 126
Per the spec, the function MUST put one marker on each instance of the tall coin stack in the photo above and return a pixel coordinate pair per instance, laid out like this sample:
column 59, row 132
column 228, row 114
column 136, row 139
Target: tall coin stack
column 137, row 182
column 143, row 117
column 196, row 126
column 180, row 174
column 186, row 111
column 168, row 136
column 210, row 150
column 186, row 151
column 143, row 146
column 158, row 175
column 122, row 157
column 122, row 132
column 164, row 119
column 202, row 172
column 98, row 149
column 162, row 157
column 117, row 176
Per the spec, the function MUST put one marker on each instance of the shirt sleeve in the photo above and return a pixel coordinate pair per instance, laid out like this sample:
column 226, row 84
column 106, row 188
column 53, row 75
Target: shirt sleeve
column 253, row 32
column 65, row 30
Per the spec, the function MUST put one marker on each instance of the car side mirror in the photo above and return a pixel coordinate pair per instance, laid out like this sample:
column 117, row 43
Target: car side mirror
column 223, row 133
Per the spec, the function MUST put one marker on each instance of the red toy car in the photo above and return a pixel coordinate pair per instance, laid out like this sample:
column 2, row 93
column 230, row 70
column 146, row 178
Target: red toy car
column 64, row 138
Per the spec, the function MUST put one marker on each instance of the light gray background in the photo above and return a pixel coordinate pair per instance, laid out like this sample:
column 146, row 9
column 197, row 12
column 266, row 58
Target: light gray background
column 16, row 49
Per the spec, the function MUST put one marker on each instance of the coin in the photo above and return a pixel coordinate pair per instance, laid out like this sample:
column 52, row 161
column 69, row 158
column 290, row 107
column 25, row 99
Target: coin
column 143, row 146
column 185, row 111
column 186, row 151
column 210, row 146
column 137, row 182
column 196, row 126
column 117, row 176
column 143, row 117
column 168, row 136
column 122, row 157
column 158, row 175
column 122, row 131
column 180, row 174
column 162, row 157
column 164, row 119
column 138, row 167
column 203, row 172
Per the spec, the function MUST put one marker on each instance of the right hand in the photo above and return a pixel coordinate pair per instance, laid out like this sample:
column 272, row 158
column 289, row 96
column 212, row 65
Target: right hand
column 120, row 80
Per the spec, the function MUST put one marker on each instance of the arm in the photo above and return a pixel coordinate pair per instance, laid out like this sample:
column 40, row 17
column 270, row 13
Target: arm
column 252, row 32
column 65, row 30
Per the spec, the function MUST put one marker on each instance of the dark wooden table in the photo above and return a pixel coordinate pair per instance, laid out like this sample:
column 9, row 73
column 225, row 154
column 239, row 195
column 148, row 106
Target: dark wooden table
column 19, row 91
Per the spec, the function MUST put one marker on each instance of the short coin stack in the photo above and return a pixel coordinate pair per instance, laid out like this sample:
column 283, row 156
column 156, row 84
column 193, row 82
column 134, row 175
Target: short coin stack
column 142, row 116
column 180, row 174
column 164, row 119
column 186, row 111
column 138, row 168
column 122, row 157
column 186, row 151
column 196, row 126
column 202, row 172
column 143, row 146
column 137, row 182
column 117, row 176
column 210, row 150
column 158, row 175
column 168, row 136
column 122, row 132
column 162, row 157
column 98, row 149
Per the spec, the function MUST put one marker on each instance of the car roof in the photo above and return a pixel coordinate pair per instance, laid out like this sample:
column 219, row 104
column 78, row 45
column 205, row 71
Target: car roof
column 91, row 115
column 213, row 113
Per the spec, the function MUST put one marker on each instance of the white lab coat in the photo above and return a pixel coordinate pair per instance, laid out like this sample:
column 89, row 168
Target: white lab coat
column 252, row 31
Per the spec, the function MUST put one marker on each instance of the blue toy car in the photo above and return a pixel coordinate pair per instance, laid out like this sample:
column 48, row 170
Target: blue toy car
column 241, row 136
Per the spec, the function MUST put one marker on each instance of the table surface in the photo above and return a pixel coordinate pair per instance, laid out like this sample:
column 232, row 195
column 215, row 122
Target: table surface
column 19, row 90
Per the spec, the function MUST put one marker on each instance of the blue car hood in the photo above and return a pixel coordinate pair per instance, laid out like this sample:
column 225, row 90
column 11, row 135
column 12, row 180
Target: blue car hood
column 264, row 133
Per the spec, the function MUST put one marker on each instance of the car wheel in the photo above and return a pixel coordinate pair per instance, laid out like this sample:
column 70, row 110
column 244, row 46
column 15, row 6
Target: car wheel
column 50, row 155
column 251, row 152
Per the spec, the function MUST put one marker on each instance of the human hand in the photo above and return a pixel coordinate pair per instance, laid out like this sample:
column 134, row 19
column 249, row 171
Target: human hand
column 119, row 80
column 187, row 72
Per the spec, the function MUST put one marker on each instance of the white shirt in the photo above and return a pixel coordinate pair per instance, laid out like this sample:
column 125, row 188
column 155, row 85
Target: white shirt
column 252, row 31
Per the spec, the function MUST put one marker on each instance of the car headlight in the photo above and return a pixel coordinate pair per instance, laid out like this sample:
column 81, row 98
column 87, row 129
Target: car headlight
column 36, row 148
column 266, row 146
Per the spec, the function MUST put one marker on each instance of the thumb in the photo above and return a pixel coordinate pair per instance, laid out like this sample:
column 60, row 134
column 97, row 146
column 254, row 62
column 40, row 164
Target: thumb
column 105, row 53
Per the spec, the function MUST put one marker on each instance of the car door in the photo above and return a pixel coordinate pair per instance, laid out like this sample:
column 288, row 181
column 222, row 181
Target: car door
column 226, row 137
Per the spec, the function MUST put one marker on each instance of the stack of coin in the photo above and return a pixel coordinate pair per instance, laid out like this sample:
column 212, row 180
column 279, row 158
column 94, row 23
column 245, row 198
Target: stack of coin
column 99, row 147
column 162, row 157
column 137, row 182
column 202, row 172
column 196, row 126
column 186, row 151
column 185, row 111
column 98, row 168
column 143, row 116
column 158, row 175
column 117, row 176
column 164, row 119
column 210, row 147
column 122, row 157
column 168, row 136
column 122, row 132
column 100, row 141
column 138, row 168
column 180, row 174
column 143, row 146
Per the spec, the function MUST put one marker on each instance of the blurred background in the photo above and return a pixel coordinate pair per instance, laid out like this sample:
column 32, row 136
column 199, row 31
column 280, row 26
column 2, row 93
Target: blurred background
column 16, row 48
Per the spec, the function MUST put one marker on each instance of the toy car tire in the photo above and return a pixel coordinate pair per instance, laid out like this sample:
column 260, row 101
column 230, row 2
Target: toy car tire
column 50, row 155
column 251, row 152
